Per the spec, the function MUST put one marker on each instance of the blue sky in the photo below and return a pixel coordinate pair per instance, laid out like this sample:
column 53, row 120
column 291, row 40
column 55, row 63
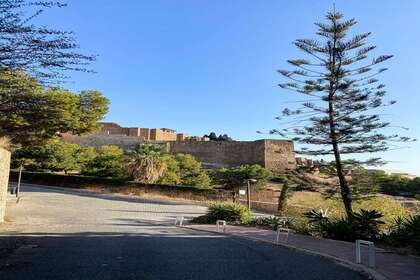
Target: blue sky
column 201, row 66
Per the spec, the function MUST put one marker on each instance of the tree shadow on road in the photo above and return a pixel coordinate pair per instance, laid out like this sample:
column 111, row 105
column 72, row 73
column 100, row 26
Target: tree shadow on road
column 108, row 196
column 176, row 254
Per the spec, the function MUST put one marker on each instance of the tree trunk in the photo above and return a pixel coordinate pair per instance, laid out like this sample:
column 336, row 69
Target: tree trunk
column 344, row 187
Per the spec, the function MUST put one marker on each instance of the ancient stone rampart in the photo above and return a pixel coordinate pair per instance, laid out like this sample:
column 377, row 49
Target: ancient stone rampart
column 275, row 155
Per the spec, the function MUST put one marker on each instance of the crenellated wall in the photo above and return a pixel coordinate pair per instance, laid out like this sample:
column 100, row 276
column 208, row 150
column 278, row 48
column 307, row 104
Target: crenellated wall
column 275, row 155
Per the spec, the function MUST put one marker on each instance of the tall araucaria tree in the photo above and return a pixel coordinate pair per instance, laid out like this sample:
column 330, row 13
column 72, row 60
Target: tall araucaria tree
column 340, row 116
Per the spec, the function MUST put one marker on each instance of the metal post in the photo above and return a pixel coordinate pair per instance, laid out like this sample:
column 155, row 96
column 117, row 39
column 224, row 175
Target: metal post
column 281, row 229
column 221, row 222
column 19, row 179
column 371, row 248
column 249, row 194
column 179, row 219
column 358, row 253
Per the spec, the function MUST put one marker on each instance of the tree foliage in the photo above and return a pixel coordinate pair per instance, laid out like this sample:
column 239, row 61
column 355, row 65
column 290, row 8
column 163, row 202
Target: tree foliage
column 146, row 164
column 31, row 113
column 236, row 177
column 107, row 161
column 39, row 51
column 191, row 172
column 53, row 156
column 340, row 116
column 213, row 137
column 150, row 164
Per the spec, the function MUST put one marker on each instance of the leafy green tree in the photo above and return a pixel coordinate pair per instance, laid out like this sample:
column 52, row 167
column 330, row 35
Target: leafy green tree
column 395, row 184
column 171, row 175
column 236, row 177
column 224, row 137
column 213, row 137
column 53, row 156
column 108, row 162
column 146, row 163
column 340, row 116
column 191, row 172
column 185, row 170
column 30, row 114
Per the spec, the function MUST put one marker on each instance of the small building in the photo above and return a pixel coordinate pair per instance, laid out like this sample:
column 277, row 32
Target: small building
column 181, row 137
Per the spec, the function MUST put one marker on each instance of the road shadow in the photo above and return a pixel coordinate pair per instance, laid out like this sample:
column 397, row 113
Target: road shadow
column 177, row 254
column 25, row 188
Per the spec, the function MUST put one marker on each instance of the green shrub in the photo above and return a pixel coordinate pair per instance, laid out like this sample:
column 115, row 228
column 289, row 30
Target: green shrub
column 53, row 155
column 184, row 170
column 228, row 211
column 364, row 225
column 191, row 171
column 271, row 222
column 107, row 162
column 397, row 185
column 389, row 207
column 302, row 202
column 405, row 233
column 235, row 177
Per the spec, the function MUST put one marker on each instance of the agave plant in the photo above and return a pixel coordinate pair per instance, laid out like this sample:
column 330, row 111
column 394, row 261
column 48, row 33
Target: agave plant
column 316, row 216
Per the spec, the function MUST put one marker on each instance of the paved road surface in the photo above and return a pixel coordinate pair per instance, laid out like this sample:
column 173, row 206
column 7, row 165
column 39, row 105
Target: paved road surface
column 79, row 235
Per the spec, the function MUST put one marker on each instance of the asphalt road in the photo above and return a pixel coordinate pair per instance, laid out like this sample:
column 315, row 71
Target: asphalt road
column 78, row 235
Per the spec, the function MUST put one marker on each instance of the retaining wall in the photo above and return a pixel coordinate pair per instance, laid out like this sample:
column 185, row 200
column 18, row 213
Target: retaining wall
column 4, row 180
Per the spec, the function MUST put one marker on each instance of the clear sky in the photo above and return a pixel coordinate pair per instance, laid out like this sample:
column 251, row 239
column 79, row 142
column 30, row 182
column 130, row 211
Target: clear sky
column 210, row 65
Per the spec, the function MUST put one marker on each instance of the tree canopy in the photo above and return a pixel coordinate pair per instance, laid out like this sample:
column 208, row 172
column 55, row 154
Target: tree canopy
column 213, row 137
column 31, row 113
column 236, row 177
column 340, row 115
column 39, row 51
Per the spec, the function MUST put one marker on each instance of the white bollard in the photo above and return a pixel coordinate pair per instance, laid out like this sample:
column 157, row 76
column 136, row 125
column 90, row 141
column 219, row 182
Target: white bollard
column 281, row 229
column 221, row 222
column 371, row 246
column 179, row 219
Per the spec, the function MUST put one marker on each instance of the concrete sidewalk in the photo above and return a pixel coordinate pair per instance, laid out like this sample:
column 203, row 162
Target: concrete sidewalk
column 388, row 265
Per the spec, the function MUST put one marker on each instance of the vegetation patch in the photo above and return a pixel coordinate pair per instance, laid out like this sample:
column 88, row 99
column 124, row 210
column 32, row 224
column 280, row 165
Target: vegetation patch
column 228, row 211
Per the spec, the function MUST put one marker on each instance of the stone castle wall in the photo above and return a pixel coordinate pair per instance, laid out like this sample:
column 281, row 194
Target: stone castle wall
column 223, row 153
column 279, row 155
column 4, row 180
column 122, row 141
column 275, row 155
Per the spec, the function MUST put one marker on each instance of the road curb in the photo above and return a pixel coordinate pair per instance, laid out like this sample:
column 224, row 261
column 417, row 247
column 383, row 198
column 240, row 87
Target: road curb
column 373, row 274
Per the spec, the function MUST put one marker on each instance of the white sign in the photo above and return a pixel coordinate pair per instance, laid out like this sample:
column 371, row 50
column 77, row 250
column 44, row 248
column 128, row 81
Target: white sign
column 242, row 192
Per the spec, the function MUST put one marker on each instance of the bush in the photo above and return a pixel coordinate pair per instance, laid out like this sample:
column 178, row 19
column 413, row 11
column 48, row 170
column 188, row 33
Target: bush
column 230, row 212
column 405, row 233
column 107, row 162
column 184, row 170
column 397, row 185
column 302, row 202
column 191, row 172
column 54, row 155
column 235, row 177
column 364, row 225
column 271, row 222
